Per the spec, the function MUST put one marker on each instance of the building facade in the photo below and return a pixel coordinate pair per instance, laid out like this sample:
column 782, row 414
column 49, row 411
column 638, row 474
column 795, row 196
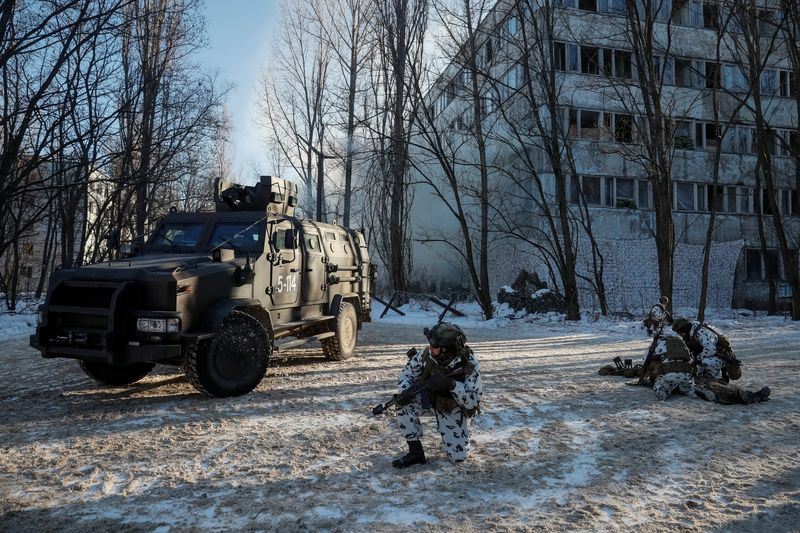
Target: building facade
column 583, row 71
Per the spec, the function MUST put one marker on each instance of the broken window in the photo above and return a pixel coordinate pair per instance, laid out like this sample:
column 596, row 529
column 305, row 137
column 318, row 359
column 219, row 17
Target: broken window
column 573, row 123
column 733, row 206
column 590, row 186
column 590, row 60
column 712, row 136
column 716, row 197
column 623, row 128
column 710, row 15
column 622, row 64
column 589, row 124
column 773, row 263
column 712, row 75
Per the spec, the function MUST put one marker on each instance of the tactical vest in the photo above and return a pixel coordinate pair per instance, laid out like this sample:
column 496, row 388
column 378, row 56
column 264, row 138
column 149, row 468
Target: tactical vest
column 444, row 401
column 676, row 359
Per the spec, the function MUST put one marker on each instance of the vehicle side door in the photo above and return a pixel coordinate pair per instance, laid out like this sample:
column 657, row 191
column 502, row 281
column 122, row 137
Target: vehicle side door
column 315, row 275
column 286, row 262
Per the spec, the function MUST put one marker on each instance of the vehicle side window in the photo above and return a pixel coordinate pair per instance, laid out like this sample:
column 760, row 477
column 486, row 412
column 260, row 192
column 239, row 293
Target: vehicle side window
column 279, row 239
column 330, row 236
column 343, row 237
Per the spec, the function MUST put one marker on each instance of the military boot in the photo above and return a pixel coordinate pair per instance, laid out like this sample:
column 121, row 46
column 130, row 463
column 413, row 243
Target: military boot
column 753, row 397
column 415, row 456
column 762, row 395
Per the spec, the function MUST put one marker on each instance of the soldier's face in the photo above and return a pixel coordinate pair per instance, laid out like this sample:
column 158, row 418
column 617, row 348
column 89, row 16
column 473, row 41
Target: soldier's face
column 437, row 352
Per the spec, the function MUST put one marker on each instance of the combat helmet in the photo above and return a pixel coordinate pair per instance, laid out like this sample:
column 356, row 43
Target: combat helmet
column 446, row 335
column 682, row 326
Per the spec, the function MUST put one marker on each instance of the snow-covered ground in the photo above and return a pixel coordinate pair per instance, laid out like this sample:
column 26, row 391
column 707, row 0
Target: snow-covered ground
column 557, row 447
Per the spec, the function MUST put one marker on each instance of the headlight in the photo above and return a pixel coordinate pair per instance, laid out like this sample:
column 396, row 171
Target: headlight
column 158, row 325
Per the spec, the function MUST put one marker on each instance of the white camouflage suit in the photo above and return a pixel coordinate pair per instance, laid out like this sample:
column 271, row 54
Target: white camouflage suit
column 709, row 366
column 670, row 382
column 453, row 425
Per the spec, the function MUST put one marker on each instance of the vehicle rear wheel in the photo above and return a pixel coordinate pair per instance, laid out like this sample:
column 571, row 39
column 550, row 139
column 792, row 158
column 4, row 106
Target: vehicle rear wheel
column 343, row 344
column 234, row 362
column 106, row 374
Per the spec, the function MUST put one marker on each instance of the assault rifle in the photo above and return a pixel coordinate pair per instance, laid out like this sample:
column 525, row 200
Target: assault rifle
column 648, row 360
column 416, row 388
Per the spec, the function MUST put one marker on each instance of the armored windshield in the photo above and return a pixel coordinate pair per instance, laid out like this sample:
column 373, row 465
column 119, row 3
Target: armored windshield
column 238, row 235
column 178, row 234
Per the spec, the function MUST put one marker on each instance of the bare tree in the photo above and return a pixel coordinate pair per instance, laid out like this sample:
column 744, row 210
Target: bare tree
column 293, row 96
column 756, row 48
column 530, row 98
column 400, row 29
column 344, row 24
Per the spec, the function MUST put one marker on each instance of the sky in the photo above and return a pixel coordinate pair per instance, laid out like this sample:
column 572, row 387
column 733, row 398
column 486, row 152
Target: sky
column 240, row 35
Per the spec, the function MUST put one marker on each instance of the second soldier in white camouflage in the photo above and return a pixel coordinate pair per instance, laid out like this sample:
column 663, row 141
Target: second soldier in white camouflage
column 454, row 400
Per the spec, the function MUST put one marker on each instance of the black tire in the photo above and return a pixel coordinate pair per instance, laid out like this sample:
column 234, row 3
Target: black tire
column 105, row 374
column 343, row 344
column 235, row 362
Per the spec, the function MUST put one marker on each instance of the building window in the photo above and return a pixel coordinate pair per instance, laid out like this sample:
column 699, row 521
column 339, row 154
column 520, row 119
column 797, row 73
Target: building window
column 622, row 64
column 623, row 128
column 589, row 188
column 683, row 139
column 710, row 15
column 767, row 22
column 684, row 73
column 758, row 265
column 713, row 78
column 733, row 78
column 587, row 5
column 643, row 187
column 584, row 124
column 589, row 124
column 623, row 193
column 753, row 268
column 684, row 196
column 590, row 60
column 682, row 12
column 711, row 199
column 711, row 136
column 769, row 82
column 560, row 56
column 788, row 84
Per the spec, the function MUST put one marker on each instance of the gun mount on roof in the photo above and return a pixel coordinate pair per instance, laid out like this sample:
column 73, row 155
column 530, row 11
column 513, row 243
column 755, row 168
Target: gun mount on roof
column 273, row 195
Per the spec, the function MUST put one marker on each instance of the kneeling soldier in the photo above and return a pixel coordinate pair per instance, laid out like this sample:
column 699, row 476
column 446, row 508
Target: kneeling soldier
column 716, row 364
column 454, row 400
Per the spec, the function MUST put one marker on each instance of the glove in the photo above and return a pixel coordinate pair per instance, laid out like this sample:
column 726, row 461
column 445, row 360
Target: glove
column 440, row 383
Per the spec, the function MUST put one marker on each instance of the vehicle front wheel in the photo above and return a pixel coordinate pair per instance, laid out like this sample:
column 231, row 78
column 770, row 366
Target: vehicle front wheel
column 235, row 362
column 106, row 374
column 342, row 345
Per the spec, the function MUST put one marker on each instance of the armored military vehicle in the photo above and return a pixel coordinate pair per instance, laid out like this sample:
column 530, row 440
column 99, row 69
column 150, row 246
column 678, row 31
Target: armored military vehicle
column 215, row 292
